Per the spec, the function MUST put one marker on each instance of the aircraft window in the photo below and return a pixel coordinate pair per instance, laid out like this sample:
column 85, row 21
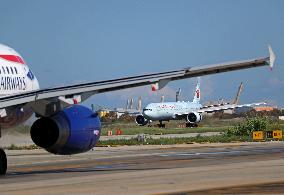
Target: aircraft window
column 0, row 71
column 16, row 71
column 4, row 72
column 7, row 70
column 12, row 71
column 145, row 109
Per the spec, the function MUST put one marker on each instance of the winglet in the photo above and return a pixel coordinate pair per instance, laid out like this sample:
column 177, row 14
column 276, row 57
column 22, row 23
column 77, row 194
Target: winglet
column 271, row 57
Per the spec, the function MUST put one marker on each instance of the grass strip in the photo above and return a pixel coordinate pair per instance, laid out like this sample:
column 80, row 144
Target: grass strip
column 158, row 131
column 151, row 141
column 172, row 141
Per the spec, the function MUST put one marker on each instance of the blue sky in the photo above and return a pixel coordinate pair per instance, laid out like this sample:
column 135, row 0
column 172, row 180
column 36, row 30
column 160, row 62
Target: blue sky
column 68, row 42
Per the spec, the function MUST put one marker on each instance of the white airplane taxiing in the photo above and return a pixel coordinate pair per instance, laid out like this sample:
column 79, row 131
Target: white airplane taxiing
column 189, row 111
column 63, row 126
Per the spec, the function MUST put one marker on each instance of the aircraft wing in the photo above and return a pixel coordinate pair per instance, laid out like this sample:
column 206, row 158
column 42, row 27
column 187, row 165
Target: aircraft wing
column 60, row 97
column 220, row 107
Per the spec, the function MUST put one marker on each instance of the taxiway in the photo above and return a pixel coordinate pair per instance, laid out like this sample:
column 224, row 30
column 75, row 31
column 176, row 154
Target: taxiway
column 181, row 169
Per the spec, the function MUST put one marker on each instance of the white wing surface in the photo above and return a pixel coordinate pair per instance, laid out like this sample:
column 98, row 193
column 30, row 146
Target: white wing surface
column 220, row 107
column 61, row 97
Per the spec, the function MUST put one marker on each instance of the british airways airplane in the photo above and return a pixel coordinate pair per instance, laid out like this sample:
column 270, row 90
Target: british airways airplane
column 189, row 111
column 63, row 126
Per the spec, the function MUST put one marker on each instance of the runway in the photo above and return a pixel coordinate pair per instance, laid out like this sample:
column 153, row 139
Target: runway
column 240, row 168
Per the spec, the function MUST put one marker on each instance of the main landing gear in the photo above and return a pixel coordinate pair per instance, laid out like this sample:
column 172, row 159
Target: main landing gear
column 191, row 125
column 3, row 162
column 161, row 125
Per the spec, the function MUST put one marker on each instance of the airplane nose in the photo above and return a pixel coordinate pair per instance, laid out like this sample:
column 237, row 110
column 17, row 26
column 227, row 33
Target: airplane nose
column 146, row 113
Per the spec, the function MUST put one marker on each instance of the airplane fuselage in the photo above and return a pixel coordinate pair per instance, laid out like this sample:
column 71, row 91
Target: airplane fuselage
column 15, row 78
column 169, row 110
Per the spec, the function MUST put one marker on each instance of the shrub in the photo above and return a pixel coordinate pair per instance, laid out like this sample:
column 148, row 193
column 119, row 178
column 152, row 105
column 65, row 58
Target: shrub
column 252, row 124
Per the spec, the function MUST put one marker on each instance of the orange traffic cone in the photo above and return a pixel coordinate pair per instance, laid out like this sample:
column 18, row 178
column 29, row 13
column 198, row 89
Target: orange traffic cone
column 118, row 132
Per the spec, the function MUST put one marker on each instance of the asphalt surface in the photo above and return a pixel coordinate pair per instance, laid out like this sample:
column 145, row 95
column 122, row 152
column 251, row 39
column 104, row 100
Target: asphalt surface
column 240, row 168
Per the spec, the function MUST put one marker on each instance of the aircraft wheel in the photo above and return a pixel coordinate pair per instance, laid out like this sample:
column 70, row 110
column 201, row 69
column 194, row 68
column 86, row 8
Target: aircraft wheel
column 3, row 162
column 191, row 125
column 188, row 125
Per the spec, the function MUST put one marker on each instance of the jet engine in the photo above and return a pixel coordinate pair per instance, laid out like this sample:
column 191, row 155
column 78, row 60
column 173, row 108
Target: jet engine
column 73, row 130
column 140, row 120
column 194, row 117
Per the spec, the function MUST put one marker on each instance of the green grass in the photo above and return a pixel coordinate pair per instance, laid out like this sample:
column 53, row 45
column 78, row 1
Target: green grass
column 209, row 124
column 281, row 126
column 155, row 130
column 171, row 141
column 150, row 141
column 15, row 147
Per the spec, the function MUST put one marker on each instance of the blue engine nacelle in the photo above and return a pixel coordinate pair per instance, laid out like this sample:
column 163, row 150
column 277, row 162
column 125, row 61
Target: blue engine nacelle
column 73, row 130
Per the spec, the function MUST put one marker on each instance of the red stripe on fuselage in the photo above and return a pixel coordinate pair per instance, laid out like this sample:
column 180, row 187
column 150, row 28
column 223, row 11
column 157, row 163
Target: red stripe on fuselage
column 13, row 58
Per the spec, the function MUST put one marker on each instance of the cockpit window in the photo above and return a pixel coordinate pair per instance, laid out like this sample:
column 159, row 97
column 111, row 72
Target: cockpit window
column 145, row 109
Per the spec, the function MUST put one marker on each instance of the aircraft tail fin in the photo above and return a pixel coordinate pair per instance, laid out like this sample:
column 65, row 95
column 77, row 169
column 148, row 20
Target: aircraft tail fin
column 197, row 91
column 236, row 100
